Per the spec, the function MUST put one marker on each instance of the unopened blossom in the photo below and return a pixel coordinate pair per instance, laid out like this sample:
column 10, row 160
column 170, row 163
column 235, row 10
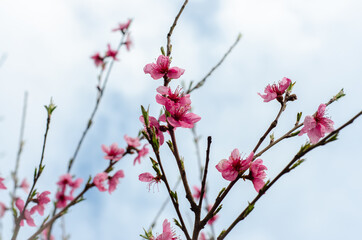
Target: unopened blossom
column 153, row 124
column 162, row 68
column 2, row 185
column 258, row 174
column 231, row 168
column 3, row 208
column 141, row 153
column 111, row 53
column 98, row 60
column 123, row 26
column 19, row 203
column 113, row 152
column 113, row 181
column 25, row 185
column 128, row 43
column 148, row 177
column 197, row 192
column 317, row 126
column 213, row 219
column 132, row 142
column 273, row 91
column 168, row 233
column 99, row 180
column 180, row 116
column 167, row 96
column 41, row 199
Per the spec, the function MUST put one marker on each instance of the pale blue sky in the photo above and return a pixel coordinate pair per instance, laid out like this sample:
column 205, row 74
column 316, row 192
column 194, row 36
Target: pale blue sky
column 315, row 43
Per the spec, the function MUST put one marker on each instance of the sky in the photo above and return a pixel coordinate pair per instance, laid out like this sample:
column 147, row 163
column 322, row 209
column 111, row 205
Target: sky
column 46, row 48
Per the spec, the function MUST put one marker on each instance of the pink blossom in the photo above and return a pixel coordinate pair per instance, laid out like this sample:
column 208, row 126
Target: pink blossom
column 42, row 199
column 213, row 219
column 197, row 192
column 273, row 91
column 162, row 68
column 65, row 180
column 45, row 235
column 75, row 184
column 114, row 153
column 3, row 208
column 98, row 60
column 111, row 53
column 25, row 185
column 62, row 199
column 202, row 236
column 113, row 181
column 258, row 174
column 2, row 185
column 168, row 233
column 148, row 177
column 128, row 43
column 123, row 26
column 167, row 96
column 19, row 203
column 154, row 124
column 132, row 142
column 180, row 117
column 141, row 153
column 231, row 168
column 99, row 180
column 317, row 126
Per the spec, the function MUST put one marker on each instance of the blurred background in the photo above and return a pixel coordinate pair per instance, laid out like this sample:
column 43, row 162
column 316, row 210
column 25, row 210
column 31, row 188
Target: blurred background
column 45, row 49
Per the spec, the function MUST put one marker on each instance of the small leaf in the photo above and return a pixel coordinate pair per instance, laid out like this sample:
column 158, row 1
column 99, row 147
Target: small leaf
column 163, row 51
column 221, row 192
column 299, row 115
column 145, row 116
column 300, row 161
column 340, row 94
column 177, row 223
column 170, row 145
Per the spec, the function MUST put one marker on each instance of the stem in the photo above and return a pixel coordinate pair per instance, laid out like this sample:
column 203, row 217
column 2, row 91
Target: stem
column 99, row 98
column 202, row 82
column 20, row 150
column 287, row 169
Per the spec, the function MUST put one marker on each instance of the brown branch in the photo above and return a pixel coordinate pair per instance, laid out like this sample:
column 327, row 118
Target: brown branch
column 287, row 169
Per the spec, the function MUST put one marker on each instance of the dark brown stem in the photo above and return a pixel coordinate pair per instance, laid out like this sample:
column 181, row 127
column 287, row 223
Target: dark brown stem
column 287, row 169
column 202, row 82
column 169, row 34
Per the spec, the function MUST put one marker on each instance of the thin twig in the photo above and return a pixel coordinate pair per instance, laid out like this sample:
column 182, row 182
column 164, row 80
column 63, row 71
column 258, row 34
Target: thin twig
column 202, row 81
column 287, row 169
column 20, row 150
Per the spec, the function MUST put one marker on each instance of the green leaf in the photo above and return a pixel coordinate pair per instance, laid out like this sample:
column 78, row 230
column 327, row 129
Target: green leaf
column 221, row 192
column 174, row 195
column 333, row 138
column 300, row 161
column 340, row 94
column 163, row 51
column 170, row 145
column 145, row 116
column 299, row 115
column 177, row 223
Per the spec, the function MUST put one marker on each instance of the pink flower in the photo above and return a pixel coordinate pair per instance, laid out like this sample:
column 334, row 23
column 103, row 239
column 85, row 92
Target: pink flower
column 98, row 60
column 123, row 26
column 180, row 117
column 45, row 235
column 113, row 152
column 128, row 43
column 213, row 219
column 273, row 91
column 3, row 208
column 42, row 199
column 99, row 180
column 231, row 168
column 162, row 68
column 25, row 185
column 62, row 199
column 317, row 126
column 2, row 185
column 154, row 124
column 111, row 53
column 148, row 177
column 167, row 96
column 27, row 215
column 258, row 174
column 66, row 180
column 168, row 233
column 113, row 181
column 141, row 153
column 197, row 192
column 202, row 236
column 132, row 142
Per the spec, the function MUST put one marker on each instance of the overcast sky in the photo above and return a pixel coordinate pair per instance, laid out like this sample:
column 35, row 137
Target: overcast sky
column 46, row 48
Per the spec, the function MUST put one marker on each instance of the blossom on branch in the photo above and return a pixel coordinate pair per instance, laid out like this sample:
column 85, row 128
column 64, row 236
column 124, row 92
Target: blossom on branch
column 197, row 192
column 25, row 185
column 132, row 142
column 258, row 174
column 65, row 181
column 114, row 153
column 2, row 185
column 273, row 91
column 162, row 68
column 141, row 153
column 167, row 234
column 128, row 43
column 148, row 177
column 122, row 27
column 213, row 219
column 41, row 200
column 19, row 203
column 3, row 208
column 167, row 96
column 98, row 60
column 317, row 126
column 231, row 168
column 111, row 53
column 153, row 124
column 113, row 181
